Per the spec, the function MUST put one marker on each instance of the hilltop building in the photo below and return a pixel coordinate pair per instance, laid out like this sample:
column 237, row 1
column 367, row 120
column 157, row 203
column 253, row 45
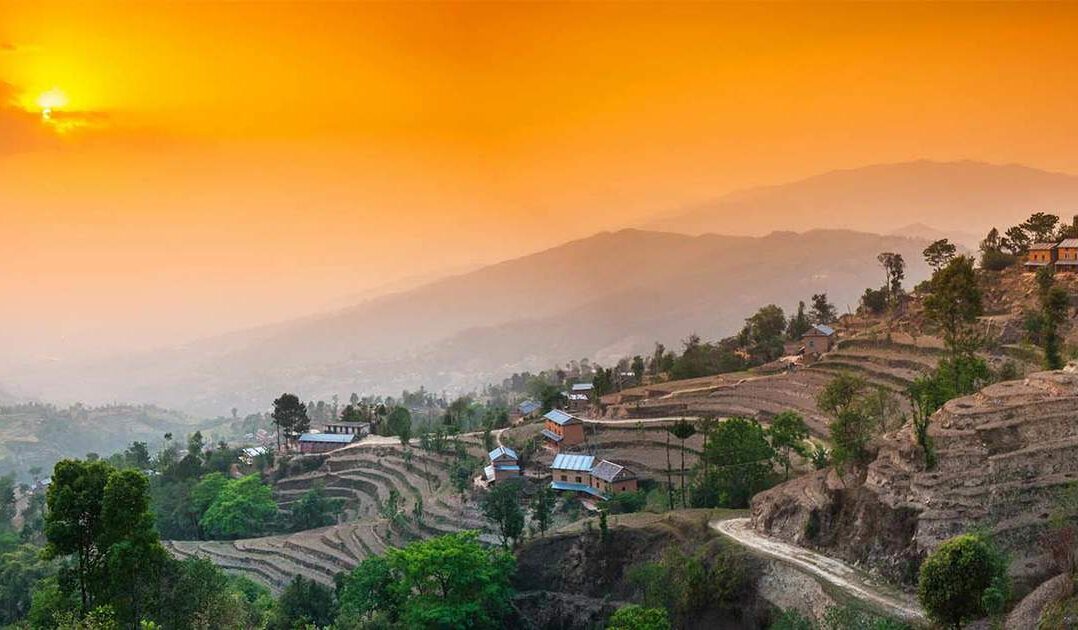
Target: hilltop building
column 579, row 396
column 561, row 429
column 504, row 464
column 348, row 428
column 819, row 339
column 1040, row 255
column 324, row 442
column 580, row 474
column 524, row 411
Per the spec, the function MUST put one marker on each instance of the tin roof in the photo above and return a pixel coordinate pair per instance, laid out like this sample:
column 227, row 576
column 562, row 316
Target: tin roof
column 1067, row 242
column 334, row 438
column 1050, row 245
column 610, row 472
column 557, row 416
column 567, row 461
column 583, row 387
column 550, row 435
column 576, row 487
column 822, row 329
column 529, row 406
column 503, row 451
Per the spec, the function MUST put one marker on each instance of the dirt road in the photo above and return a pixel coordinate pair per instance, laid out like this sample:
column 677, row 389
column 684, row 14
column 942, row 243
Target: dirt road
column 854, row 582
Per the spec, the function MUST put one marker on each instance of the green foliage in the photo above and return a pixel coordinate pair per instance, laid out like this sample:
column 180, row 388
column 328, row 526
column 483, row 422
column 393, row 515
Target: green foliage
column 850, row 617
column 314, row 509
column 627, row 502
column 501, row 506
column 542, row 508
column 894, row 269
column 787, row 433
column 399, row 423
column 763, row 333
column 445, row 582
column 303, row 603
column 927, row 393
column 955, row 579
column 702, row 359
column 715, row 577
column 289, row 416
column 858, row 412
column 737, row 464
column 996, row 260
column 20, row 569
column 939, row 253
column 874, row 300
column 792, row 620
column 799, row 323
column 954, row 305
column 633, row 617
column 243, row 508
column 823, row 311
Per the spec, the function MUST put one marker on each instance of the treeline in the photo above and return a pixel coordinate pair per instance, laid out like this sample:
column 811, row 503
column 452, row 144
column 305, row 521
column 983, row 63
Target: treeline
column 1001, row 250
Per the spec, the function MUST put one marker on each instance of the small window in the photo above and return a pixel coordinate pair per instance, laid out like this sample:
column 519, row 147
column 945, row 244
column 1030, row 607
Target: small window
column 578, row 479
column 564, row 478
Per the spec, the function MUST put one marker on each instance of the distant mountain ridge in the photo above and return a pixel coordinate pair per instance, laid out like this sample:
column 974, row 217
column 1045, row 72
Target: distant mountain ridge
column 611, row 294
column 949, row 196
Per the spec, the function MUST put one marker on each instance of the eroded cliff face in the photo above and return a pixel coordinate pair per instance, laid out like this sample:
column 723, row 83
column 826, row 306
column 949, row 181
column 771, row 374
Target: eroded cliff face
column 1003, row 454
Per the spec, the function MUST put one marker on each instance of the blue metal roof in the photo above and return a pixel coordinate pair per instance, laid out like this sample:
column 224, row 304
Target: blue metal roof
column 576, row 487
column 583, row 387
column 551, row 435
column 502, row 450
column 335, row 438
column 557, row 416
column 824, row 330
column 567, row 461
column 529, row 406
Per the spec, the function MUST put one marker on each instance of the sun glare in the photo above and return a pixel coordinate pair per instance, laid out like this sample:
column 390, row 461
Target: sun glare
column 52, row 100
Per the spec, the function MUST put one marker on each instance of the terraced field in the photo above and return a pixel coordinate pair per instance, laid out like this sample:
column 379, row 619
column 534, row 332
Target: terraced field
column 364, row 476
column 891, row 365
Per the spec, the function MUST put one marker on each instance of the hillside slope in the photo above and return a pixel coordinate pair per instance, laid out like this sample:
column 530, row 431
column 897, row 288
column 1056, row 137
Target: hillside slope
column 600, row 297
column 950, row 196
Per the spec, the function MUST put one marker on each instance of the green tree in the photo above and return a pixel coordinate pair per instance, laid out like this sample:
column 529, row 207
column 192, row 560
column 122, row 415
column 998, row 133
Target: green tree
column 542, row 508
column 799, row 323
column 683, row 430
column 955, row 578
column 399, row 423
column 289, row 415
column 20, row 570
column 304, row 603
column 243, row 508
column 73, row 520
column 634, row 617
column 939, row 253
column 823, row 311
column 954, row 304
column 740, row 457
column 788, row 432
column 764, row 331
column 1040, row 226
column 894, row 270
column 857, row 414
column 446, row 582
column 501, row 506
column 314, row 509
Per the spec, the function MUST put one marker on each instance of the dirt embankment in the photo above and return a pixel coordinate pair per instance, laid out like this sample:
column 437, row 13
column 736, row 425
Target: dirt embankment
column 574, row 580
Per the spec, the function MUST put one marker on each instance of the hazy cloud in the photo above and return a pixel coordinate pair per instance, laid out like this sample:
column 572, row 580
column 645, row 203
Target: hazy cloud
column 7, row 46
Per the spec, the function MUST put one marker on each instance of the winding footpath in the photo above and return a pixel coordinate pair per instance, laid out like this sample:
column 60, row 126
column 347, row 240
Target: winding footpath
column 836, row 572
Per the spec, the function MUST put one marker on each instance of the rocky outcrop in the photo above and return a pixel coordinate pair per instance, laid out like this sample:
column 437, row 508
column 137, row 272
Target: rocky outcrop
column 1003, row 454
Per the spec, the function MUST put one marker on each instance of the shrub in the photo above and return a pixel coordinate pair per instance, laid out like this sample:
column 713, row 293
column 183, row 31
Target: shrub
column 995, row 260
column 960, row 578
column 633, row 617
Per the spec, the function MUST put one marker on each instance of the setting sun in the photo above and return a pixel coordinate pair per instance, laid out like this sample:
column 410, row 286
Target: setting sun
column 52, row 100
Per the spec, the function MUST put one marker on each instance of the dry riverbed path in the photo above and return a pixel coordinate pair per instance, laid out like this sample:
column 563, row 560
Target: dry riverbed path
column 852, row 581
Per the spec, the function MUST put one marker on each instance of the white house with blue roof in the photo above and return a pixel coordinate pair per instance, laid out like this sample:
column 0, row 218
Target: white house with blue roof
column 504, row 464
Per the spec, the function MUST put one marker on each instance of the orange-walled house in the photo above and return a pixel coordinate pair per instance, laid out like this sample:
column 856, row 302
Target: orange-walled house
column 610, row 478
column 1066, row 258
column 1041, row 255
column 561, row 430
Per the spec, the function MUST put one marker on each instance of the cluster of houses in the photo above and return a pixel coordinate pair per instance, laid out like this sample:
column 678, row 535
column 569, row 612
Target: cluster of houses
column 570, row 472
column 1062, row 254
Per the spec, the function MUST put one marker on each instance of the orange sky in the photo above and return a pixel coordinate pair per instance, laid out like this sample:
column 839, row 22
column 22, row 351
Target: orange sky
column 217, row 165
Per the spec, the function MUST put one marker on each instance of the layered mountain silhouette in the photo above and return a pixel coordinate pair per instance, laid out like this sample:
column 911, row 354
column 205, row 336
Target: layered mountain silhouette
column 952, row 197
column 600, row 297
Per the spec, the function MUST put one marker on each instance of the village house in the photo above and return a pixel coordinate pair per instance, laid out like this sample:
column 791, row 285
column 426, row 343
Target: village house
column 524, row 411
column 579, row 396
column 610, row 478
column 504, row 464
column 348, row 428
column 561, row 429
column 572, row 473
column 1066, row 256
column 1040, row 255
column 324, row 442
column 580, row 473
column 819, row 339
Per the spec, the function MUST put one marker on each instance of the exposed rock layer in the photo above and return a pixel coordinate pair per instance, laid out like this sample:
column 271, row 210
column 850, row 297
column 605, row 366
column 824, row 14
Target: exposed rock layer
column 1003, row 454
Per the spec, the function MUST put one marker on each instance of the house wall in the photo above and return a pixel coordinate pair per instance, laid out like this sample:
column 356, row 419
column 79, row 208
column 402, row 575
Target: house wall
column 1043, row 255
column 500, row 474
column 319, row 447
column 1068, row 253
column 571, row 433
column 817, row 343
